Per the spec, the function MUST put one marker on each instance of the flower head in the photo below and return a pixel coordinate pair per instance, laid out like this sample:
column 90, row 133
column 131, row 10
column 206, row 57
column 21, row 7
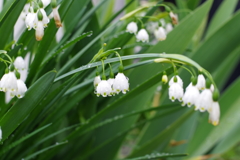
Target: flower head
column 45, row 19
column 9, row 82
column 22, row 88
column 179, row 81
column 175, row 92
column 39, row 31
column 57, row 18
column 142, row 36
column 121, row 83
column 190, row 96
column 204, row 102
column 30, row 18
column 132, row 27
column 214, row 113
column 174, row 18
column 103, row 89
column 96, row 81
column 201, row 82
column 19, row 63
column 160, row 34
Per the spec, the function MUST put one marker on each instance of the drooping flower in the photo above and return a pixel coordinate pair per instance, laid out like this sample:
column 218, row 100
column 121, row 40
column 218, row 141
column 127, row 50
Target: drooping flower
column 9, row 82
column 190, row 96
column 22, row 88
column 103, row 89
column 121, row 83
column 45, row 19
column 132, row 27
column 160, row 34
column 39, row 33
column 142, row 36
column 19, row 63
column 96, row 81
column 179, row 81
column 174, row 18
column 201, row 82
column 30, row 18
column 57, row 18
column 204, row 102
column 214, row 113
column 111, row 81
column 169, row 27
column 175, row 92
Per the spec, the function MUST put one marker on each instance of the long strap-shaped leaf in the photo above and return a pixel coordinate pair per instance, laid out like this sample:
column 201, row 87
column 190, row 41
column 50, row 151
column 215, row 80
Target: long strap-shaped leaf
column 23, row 107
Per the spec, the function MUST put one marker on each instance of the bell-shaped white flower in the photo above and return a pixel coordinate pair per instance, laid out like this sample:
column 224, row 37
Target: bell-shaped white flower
column 169, row 27
column 46, row 2
column 104, row 89
column 190, row 96
column 96, row 81
column 201, row 82
column 111, row 81
column 57, row 18
column 152, row 26
column 214, row 113
column 121, row 83
column 19, row 63
column 39, row 33
column 30, row 18
column 22, row 88
column 175, row 92
column 204, row 102
column 179, row 81
column 9, row 82
column 142, row 36
column 160, row 34
column 45, row 19
column 174, row 17
column 132, row 27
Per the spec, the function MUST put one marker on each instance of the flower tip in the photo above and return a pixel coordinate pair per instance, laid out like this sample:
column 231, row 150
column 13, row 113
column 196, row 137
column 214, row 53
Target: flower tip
column 215, row 123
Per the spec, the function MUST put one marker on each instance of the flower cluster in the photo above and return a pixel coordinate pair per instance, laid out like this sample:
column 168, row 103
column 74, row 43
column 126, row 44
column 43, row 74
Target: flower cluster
column 11, row 81
column 111, row 86
column 37, row 18
column 199, row 93
column 159, row 29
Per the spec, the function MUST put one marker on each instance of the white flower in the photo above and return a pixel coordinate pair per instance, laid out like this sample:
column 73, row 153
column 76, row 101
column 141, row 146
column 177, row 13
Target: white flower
column 175, row 92
column 9, row 82
column 151, row 26
column 201, row 82
column 204, row 102
column 179, row 81
column 22, row 88
column 121, row 83
column 189, row 86
column 30, row 18
column 174, row 17
column 214, row 113
column 132, row 27
column 19, row 63
column 160, row 34
column 190, row 96
column 169, row 27
column 39, row 31
column 57, row 18
column 103, row 89
column 142, row 36
column 46, row 2
column 96, row 81
column 45, row 19
column 111, row 81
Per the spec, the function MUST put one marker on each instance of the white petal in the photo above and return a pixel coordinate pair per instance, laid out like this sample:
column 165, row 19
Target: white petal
column 104, row 88
column 179, row 81
column 204, row 102
column 175, row 92
column 132, row 27
column 190, row 96
column 96, row 81
column 201, row 82
column 142, row 36
column 160, row 34
column 121, row 83
column 19, row 63
column 39, row 31
column 46, row 2
column 214, row 113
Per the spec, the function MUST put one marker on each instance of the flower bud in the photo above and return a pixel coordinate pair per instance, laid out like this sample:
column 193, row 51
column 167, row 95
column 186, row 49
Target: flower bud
column 164, row 79
column 215, row 95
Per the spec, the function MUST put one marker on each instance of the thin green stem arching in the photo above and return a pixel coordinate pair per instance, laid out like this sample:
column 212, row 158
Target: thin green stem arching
column 142, row 25
column 186, row 69
column 103, row 68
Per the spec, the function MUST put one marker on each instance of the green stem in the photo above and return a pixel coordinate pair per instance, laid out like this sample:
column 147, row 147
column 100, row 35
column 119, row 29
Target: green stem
column 103, row 67
column 186, row 69
column 142, row 25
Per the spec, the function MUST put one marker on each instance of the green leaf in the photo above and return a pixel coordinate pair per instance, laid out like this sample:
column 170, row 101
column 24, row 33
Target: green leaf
column 222, row 15
column 157, row 156
column 23, row 107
